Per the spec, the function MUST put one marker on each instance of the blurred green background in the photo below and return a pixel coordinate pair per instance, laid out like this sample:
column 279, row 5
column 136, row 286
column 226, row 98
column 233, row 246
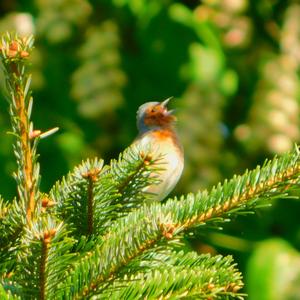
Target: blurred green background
column 233, row 68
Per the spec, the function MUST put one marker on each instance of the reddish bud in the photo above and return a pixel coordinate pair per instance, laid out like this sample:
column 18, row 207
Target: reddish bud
column 35, row 133
column 12, row 53
column 14, row 46
column 46, row 234
column 91, row 174
column 146, row 157
column 52, row 232
column 45, row 202
column 210, row 286
column 47, row 240
column 24, row 54
column 168, row 235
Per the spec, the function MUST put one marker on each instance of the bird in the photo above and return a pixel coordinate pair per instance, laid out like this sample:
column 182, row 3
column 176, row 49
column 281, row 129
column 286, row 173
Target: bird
column 156, row 130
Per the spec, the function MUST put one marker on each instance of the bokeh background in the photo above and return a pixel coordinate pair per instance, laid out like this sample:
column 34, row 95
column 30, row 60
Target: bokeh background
column 233, row 69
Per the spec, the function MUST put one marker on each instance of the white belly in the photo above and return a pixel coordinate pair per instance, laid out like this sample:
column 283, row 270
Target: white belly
column 171, row 162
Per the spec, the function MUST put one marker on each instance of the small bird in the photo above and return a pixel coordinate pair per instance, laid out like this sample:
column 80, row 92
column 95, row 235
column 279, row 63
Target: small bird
column 156, row 131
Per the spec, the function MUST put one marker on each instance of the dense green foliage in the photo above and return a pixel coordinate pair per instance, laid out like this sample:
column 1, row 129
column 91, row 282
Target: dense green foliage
column 233, row 67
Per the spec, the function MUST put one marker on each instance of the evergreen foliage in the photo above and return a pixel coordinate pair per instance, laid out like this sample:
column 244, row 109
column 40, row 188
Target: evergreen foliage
column 98, row 235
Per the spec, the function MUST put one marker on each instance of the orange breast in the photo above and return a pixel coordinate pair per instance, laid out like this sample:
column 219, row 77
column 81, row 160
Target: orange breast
column 164, row 143
column 164, row 134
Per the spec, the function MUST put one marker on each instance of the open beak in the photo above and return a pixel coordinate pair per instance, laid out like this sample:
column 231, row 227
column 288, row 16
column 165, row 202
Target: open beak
column 168, row 113
column 164, row 104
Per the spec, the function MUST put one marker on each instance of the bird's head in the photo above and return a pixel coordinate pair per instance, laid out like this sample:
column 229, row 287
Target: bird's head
column 152, row 115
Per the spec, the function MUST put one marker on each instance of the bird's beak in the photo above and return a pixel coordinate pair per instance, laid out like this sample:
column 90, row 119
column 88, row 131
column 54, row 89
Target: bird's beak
column 165, row 102
column 168, row 113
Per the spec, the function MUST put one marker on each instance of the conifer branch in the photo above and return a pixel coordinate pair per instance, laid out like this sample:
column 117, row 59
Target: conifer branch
column 15, row 52
column 80, row 195
column 242, row 193
column 44, row 254
column 132, row 172
column 12, row 220
column 124, row 181
column 189, row 274
column 92, row 196
column 91, row 176
column 43, row 261
column 90, row 206
column 129, row 237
